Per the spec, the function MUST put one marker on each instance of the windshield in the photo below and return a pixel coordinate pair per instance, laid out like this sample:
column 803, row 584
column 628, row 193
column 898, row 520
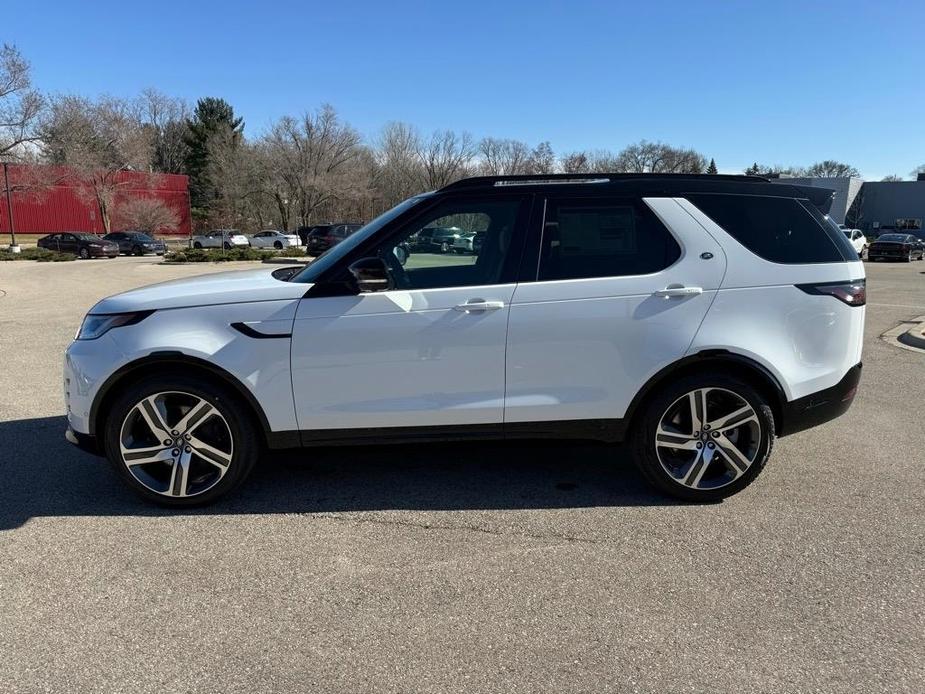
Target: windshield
column 892, row 237
column 331, row 257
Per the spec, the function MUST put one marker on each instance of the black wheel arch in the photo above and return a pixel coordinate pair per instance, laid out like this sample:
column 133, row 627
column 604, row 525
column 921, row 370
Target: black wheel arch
column 751, row 371
column 177, row 362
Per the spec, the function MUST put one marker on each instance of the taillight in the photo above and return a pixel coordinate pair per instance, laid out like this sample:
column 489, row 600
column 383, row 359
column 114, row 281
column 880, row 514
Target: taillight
column 852, row 292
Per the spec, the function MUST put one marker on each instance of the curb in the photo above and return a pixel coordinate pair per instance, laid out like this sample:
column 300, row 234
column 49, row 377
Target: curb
column 915, row 335
column 908, row 335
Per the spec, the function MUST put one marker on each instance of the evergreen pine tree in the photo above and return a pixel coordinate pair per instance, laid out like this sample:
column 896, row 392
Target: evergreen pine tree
column 711, row 169
column 212, row 117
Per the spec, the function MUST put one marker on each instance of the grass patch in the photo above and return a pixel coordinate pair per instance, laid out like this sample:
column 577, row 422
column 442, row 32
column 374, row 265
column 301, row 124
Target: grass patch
column 217, row 255
column 40, row 254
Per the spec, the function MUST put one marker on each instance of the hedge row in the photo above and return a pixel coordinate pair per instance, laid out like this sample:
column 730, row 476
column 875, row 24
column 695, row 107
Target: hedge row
column 217, row 255
column 40, row 254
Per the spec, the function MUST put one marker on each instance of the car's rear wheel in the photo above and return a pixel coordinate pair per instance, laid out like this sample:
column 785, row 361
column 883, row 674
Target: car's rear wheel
column 908, row 258
column 179, row 441
column 444, row 247
column 197, row 245
column 84, row 253
column 704, row 437
column 136, row 250
column 227, row 246
column 278, row 245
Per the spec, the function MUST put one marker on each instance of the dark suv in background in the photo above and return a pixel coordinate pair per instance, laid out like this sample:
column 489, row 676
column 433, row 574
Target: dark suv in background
column 136, row 242
column 321, row 237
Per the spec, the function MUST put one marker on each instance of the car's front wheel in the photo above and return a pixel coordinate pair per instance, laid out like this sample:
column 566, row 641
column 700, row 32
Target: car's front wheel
column 197, row 245
column 84, row 253
column 704, row 437
column 179, row 441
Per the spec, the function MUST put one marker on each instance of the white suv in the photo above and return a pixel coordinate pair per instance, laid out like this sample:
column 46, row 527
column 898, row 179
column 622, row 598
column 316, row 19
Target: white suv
column 695, row 317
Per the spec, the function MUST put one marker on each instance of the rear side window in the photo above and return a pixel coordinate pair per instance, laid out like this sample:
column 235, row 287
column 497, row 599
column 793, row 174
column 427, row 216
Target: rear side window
column 611, row 237
column 781, row 230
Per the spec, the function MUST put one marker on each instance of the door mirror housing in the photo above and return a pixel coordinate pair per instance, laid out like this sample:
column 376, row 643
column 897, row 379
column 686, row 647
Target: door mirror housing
column 371, row 275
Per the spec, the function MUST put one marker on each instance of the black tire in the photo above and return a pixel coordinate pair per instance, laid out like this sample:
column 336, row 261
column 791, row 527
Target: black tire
column 444, row 247
column 227, row 246
column 84, row 253
column 908, row 258
column 136, row 250
column 197, row 245
column 278, row 245
column 246, row 437
column 642, row 440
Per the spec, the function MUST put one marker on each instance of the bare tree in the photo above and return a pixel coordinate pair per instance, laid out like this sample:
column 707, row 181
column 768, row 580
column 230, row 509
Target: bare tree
column 503, row 157
column 398, row 172
column 657, row 157
column 20, row 105
column 146, row 214
column 97, row 140
column 542, row 160
column 830, row 168
column 446, row 157
column 166, row 117
column 892, row 178
column 311, row 162
column 917, row 170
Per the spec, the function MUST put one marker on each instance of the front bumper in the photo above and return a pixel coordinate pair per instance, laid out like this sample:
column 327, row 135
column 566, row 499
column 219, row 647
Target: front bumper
column 84, row 442
column 103, row 252
column 822, row 406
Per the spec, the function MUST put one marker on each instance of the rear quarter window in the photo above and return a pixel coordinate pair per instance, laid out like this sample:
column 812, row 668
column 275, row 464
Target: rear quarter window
column 781, row 230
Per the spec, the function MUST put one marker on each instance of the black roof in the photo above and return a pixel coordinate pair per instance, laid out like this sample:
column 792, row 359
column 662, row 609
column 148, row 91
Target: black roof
column 648, row 184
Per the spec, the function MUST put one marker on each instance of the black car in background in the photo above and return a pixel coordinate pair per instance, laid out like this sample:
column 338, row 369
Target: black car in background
column 321, row 237
column 895, row 246
column 435, row 239
column 80, row 244
column 136, row 242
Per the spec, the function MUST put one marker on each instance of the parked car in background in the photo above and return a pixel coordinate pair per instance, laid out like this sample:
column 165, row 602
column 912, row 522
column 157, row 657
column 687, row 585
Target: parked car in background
column 857, row 239
column 469, row 242
column 321, row 237
column 435, row 239
column 220, row 238
column 271, row 238
column 136, row 242
column 80, row 244
column 896, row 247
column 678, row 313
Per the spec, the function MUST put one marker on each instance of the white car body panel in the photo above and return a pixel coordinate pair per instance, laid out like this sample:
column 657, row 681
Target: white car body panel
column 563, row 333
column 808, row 342
column 194, row 317
column 399, row 358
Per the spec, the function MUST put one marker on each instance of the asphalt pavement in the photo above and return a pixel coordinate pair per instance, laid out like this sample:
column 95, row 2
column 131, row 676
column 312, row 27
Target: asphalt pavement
column 528, row 567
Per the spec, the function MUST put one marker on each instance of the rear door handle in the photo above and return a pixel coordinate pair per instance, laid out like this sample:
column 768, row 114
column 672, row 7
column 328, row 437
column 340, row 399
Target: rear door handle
column 479, row 305
column 678, row 290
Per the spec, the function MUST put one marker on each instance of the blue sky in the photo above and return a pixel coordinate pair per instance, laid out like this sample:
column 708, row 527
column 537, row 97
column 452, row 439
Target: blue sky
column 779, row 82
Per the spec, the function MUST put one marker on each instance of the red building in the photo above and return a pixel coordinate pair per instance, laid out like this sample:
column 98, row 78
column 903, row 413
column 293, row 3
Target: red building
column 50, row 198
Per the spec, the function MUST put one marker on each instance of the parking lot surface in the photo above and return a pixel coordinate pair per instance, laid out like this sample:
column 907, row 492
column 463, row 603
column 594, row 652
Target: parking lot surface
column 491, row 567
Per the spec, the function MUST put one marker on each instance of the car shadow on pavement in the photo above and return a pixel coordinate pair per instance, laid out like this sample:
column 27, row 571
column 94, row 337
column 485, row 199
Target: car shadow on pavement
column 46, row 476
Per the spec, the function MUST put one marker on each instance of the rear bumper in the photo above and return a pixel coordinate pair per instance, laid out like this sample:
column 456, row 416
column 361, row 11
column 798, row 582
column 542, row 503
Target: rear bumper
column 822, row 406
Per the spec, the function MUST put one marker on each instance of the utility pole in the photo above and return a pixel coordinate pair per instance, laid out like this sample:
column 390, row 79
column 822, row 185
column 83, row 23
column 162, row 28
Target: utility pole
column 14, row 248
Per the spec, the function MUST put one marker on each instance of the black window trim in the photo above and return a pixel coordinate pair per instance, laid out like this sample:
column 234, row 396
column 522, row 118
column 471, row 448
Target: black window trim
column 539, row 233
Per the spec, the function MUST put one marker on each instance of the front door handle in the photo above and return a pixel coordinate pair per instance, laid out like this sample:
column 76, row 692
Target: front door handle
column 479, row 305
column 678, row 290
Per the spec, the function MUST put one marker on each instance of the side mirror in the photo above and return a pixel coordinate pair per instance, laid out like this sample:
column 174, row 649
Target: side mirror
column 371, row 275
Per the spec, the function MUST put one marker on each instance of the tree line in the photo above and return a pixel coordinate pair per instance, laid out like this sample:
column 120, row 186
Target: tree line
column 301, row 170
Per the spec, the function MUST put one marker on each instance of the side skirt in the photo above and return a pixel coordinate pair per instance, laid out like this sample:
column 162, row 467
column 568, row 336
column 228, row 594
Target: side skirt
column 606, row 430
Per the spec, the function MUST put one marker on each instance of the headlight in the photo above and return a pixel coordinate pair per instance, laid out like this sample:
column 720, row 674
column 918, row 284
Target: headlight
column 97, row 325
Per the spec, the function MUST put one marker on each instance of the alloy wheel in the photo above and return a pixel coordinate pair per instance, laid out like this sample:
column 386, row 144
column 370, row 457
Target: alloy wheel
column 708, row 438
column 176, row 444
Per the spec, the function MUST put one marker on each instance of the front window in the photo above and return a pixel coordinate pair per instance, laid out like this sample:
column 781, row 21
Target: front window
column 317, row 268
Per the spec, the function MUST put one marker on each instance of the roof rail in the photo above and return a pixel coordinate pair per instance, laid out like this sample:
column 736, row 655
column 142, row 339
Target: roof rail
column 476, row 182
